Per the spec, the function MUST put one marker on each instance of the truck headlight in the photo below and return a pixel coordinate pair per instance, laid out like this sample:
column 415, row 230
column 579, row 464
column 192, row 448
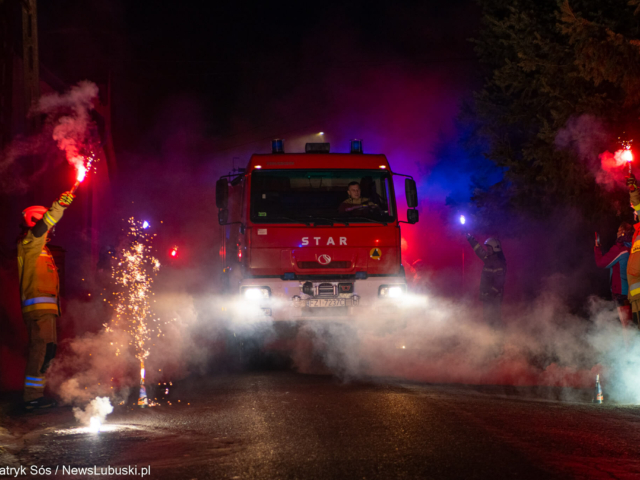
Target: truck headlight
column 256, row 294
column 392, row 291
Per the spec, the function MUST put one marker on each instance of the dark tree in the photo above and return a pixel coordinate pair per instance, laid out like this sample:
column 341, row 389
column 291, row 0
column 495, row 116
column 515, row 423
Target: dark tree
column 550, row 69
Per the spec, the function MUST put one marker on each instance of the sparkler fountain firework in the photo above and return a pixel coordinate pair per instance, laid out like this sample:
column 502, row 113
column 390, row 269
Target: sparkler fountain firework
column 134, row 273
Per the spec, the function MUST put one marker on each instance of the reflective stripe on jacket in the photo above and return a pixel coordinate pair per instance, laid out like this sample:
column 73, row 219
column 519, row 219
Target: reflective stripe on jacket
column 39, row 283
column 633, row 265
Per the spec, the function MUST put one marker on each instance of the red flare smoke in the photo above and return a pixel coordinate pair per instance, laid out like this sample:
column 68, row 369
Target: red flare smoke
column 611, row 161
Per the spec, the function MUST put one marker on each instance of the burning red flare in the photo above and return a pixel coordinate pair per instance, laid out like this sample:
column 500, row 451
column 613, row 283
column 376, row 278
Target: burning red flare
column 611, row 161
column 82, row 172
column 82, row 169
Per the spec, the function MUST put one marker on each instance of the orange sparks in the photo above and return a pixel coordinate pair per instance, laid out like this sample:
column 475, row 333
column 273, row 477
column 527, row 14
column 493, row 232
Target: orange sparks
column 133, row 272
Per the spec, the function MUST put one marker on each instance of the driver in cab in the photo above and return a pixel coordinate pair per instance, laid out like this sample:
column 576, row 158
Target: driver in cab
column 355, row 202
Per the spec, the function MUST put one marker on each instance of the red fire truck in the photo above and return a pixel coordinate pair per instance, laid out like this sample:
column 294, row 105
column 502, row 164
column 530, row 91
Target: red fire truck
column 301, row 244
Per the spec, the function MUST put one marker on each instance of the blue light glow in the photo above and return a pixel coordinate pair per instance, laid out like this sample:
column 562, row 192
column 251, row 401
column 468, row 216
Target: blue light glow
column 145, row 224
column 463, row 220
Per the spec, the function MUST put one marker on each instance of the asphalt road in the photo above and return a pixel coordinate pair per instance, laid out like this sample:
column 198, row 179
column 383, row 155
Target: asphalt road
column 288, row 425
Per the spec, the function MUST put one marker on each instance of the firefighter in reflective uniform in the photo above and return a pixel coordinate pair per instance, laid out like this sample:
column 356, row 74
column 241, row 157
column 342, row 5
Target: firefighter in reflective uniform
column 39, row 289
column 633, row 264
column 492, row 279
column 616, row 261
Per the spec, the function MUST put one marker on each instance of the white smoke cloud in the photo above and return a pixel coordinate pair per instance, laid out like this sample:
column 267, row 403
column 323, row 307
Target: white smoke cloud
column 430, row 339
column 98, row 408
column 542, row 344
column 88, row 367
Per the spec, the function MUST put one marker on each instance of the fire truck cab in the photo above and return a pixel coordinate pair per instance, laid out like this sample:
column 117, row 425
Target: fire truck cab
column 299, row 243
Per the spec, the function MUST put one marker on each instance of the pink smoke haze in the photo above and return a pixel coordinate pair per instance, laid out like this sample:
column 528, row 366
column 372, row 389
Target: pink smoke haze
column 613, row 167
column 72, row 129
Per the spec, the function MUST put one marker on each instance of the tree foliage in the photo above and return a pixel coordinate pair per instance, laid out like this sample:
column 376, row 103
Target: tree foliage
column 545, row 64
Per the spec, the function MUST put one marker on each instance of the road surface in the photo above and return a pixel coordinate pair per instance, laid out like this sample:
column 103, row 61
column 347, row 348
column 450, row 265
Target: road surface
column 293, row 426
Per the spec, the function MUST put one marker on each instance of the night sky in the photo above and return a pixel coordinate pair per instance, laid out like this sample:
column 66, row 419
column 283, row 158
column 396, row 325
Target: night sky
column 253, row 69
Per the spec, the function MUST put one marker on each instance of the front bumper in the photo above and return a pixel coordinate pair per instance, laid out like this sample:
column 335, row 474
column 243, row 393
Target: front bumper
column 288, row 302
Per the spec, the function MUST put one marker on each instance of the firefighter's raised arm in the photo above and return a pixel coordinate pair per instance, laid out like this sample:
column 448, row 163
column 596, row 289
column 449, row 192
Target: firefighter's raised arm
column 479, row 250
column 50, row 217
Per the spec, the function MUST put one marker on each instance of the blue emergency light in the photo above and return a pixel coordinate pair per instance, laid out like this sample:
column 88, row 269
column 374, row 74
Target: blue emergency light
column 356, row 146
column 277, row 145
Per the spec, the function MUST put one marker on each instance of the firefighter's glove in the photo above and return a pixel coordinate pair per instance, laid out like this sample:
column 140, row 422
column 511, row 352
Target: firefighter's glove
column 65, row 199
column 631, row 182
column 470, row 237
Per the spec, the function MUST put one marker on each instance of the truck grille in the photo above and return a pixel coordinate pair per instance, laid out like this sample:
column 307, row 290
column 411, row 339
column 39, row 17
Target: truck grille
column 337, row 264
column 326, row 290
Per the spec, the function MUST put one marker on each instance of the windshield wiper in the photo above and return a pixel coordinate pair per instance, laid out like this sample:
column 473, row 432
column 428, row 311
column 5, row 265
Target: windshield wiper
column 369, row 220
column 290, row 219
column 331, row 221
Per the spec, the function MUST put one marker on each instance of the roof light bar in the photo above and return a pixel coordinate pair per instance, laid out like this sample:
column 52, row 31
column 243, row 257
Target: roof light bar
column 317, row 148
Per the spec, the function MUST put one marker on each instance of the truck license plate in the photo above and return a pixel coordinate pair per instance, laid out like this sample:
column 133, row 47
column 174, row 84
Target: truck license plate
column 327, row 302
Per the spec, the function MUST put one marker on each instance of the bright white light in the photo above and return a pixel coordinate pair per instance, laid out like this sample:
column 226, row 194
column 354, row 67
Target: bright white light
column 95, row 425
column 627, row 156
column 321, row 133
column 253, row 294
column 107, row 427
column 463, row 220
column 145, row 224
column 395, row 292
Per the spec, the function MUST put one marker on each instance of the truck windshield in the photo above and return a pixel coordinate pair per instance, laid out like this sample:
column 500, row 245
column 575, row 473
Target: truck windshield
column 295, row 196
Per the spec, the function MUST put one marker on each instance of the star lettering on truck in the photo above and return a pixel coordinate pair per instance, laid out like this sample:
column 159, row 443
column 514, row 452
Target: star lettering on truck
column 317, row 241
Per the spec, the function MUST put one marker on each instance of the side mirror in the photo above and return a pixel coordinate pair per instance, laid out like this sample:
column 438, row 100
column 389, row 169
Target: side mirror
column 222, row 194
column 411, row 192
column 223, row 216
column 412, row 216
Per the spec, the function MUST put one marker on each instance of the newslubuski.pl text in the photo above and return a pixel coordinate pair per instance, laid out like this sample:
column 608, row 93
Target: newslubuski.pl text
column 36, row 470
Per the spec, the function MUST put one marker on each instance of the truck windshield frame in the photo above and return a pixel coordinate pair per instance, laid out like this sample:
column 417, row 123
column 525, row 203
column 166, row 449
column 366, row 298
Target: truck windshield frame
column 304, row 196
